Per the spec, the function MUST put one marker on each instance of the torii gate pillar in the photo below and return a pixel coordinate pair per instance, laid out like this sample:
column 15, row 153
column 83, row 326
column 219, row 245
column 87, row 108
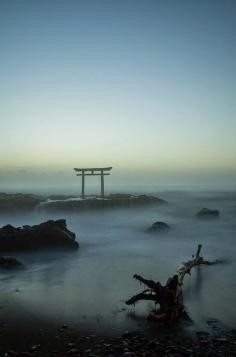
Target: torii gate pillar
column 82, row 186
column 102, row 183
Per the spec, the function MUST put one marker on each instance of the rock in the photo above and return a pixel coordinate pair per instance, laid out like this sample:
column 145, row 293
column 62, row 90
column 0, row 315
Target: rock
column 221, row 339
column 114, row 200
column 47, row 234
column 208, row 213
column 64, row 326
column 73, row 351
column 60, row 197
column 158, row 227
column 35, row 347
column 71, row 344
column 14, row 202
column 11, row 353
column 10, row 263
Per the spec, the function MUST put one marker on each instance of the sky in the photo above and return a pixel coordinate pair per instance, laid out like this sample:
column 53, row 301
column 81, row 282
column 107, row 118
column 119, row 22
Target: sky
column 145, row 86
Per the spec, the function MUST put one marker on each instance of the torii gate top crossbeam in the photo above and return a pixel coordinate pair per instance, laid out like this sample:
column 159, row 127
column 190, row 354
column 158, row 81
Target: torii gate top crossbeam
column 93, row 169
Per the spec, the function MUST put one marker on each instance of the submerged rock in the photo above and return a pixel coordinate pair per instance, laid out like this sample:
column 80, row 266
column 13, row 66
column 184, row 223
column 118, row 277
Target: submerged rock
column 158, row 227
column 47, row 234
column 208, row 213
column 10, row 263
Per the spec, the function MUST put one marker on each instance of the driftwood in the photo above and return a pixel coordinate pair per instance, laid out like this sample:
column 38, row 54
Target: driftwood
column 169, row 296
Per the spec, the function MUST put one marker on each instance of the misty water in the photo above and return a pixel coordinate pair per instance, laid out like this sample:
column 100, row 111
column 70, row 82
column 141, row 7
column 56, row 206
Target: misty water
column 87, row 288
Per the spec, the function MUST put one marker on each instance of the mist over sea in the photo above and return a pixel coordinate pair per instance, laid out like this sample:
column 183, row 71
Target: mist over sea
column 87, row 288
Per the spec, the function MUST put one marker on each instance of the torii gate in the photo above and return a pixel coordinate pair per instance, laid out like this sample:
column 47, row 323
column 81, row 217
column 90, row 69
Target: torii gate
column 99, row 171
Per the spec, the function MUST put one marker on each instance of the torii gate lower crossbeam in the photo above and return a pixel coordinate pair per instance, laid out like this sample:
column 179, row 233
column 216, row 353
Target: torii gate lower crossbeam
column 94, row 171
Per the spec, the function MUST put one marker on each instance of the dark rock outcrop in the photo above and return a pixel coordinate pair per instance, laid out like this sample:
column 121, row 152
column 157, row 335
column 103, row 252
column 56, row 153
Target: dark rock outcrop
column 47, row 234
column 14, row 202
column 113, row 200
column 60, row 197
column 158, row 227
column 208, row 213
column 28, row 202
column 10, row 263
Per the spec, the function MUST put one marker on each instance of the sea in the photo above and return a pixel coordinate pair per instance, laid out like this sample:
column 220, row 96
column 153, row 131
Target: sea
column 87, row 288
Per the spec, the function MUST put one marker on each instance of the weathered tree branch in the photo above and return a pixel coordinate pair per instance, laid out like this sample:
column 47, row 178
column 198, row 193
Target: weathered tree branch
column 169, row 296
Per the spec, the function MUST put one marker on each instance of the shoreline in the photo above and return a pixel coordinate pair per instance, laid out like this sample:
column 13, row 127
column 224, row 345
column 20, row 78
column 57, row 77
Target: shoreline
column 37, row 338
column 27, row 334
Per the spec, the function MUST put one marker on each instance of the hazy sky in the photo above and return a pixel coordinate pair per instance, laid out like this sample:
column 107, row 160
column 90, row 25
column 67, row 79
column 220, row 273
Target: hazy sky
column 145, row 85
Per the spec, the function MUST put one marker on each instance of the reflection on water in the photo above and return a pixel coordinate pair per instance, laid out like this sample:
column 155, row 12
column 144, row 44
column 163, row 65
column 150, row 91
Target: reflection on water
column 88, row 287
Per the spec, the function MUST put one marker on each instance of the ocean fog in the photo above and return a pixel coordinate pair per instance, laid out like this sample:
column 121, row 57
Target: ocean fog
column 87, row 288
